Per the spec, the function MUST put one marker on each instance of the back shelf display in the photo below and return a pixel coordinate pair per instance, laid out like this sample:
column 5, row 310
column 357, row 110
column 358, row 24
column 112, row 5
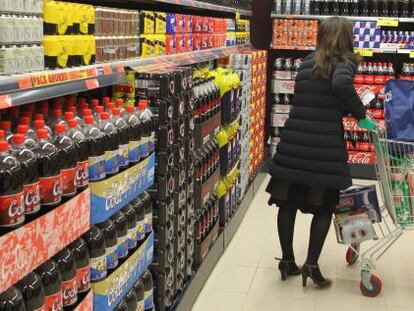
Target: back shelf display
column 369, row 84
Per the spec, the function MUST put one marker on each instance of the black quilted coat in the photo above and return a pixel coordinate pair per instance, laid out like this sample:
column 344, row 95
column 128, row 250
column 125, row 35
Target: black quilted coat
column 312, row 149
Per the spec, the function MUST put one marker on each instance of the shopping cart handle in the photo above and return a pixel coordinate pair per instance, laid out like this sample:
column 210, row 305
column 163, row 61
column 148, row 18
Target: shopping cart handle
column 367, row 124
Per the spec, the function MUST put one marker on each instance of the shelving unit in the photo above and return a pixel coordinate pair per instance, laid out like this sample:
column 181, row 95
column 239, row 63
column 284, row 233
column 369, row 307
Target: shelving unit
column 26, row 88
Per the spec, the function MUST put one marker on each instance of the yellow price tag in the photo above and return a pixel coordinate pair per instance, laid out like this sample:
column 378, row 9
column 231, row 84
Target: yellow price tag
column 364, row 52
column 387, row 22
column 237, row 14
column 411, row 54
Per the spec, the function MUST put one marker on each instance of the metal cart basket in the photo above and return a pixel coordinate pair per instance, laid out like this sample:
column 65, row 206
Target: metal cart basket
column 395, row 172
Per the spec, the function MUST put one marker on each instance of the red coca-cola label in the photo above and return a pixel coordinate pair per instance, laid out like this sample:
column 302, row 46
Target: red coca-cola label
column 83, row 279
column 379, row 79
column 364, row 146
column 11, row 209
column 54, row 302
column 50, row 190
column 68, row 181
column 69, row 292
column 82, row 178
column 359, row 78
column 31, row 198
column 362, row 158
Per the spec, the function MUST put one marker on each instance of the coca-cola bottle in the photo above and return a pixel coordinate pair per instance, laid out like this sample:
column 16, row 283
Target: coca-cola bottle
column 52, row 284
column 131, row 300
column 33, row 292
column 6, row 127
column 335, row 7
column 354, row 10
column 95, row 240
column 123, row 137
column 81, row 147
column 344, row 7
column 140, row 215
column 12, row 300
column 364, row 144
column 369, row 76
column 30, row 143
column 380, row 77
column 140, row 294
column 130, row 215
column 68, row 159
column 31, row 186
column 67, row 267
column 111, row 243
column 148, row 286
column 11, row 190
column 374, row 8
column 360, row 75
column 122, row 234
column 111, row 144
column 81, row 252
column 393, row 8
column 49, row 170
column 404, row 8
column 147, row 201
column 391, row 72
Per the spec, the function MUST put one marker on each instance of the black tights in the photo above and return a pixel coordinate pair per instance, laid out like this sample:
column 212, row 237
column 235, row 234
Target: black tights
column 318, row 232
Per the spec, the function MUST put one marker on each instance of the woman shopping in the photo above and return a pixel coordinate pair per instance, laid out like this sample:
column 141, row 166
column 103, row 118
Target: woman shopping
column 311, row 163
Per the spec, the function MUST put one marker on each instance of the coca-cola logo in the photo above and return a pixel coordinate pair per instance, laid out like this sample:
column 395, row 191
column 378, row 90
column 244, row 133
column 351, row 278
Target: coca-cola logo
column 388, row 96
column 361, row 158
column 113, row 195
column 172, row 87
column 170, row 111
column 69, row 291
column 57, row 189
column 81, row 174
column 57, row 305
column 32, row 197
column 16, row 208
column 86, row 278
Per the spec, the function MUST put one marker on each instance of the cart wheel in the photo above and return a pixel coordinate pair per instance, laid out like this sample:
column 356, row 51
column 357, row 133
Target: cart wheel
column 376, row 287
column 351, row 255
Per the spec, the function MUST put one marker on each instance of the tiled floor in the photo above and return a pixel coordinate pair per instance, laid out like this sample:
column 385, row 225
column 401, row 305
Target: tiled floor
column 246, row 277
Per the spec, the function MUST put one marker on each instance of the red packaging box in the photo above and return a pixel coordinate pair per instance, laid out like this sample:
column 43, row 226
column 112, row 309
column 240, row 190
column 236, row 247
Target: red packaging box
column 179, row 43
column 170, row 44
column 196, row 42
column 179, row 20
column 188, row 42
column 197, row 24
column 187, row 23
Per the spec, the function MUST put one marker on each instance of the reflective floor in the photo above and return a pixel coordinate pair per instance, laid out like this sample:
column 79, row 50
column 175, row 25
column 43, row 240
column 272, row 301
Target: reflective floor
column 246, row 277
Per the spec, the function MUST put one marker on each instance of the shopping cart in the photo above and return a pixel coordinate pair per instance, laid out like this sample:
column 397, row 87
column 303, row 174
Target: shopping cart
column 395, row 172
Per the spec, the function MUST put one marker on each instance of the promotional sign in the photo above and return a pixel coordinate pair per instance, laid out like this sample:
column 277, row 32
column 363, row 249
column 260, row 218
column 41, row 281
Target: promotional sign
column 26, row 248
column 109, row 293
column 112, row 194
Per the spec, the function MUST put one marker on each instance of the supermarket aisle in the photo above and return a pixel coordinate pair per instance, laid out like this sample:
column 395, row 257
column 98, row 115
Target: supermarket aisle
column 246, row 278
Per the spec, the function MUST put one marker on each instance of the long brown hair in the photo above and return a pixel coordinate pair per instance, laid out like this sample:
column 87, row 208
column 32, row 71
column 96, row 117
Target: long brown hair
column 335, row 42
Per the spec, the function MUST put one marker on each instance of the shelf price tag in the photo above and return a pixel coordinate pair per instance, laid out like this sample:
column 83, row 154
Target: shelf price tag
column 25, row 83
column 364, row 52
column 237, row 14
column 92, row 84
column 412, row 54
column 387, row 22
column 107, row 69
column 120, row 68
column 5, row 101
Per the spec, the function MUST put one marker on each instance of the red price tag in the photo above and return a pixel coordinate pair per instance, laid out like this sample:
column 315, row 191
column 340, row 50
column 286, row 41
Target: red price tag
column 107, row 69
column 92, row 84
column 120, row 68
column 25, row 83
column 5, row 101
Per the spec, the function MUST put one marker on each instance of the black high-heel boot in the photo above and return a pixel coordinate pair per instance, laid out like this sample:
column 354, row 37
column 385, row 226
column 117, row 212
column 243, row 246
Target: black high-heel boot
column 314, row 273
column 288, row 268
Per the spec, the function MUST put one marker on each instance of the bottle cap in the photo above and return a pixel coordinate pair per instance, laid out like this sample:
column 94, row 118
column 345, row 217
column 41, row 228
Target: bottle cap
column 89, row 119
column 24, row 120
column 5, row 125
column 60, row 128
column 38, row 116
column 57, row 113
column 84, row 106
column 116, row 112
column 42, row 133
column 72, row 123
column 105, row 115
column 22, row 129
column 143, row 104
column 72, row 109
column 110, row 106
column 130, row 109
column 86, row 112
column 69, row 115
column 119, row 102
column 38, row 124
column 94, row 102
column 18, row 139
column 4, row 146
column 99, row 109
column 106, row 100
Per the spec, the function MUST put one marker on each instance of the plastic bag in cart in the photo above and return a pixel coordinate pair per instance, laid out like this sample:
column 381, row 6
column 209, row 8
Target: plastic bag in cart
column 354, row 228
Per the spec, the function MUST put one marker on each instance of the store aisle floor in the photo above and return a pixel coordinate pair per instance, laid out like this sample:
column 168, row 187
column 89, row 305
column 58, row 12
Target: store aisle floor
column 246, row 278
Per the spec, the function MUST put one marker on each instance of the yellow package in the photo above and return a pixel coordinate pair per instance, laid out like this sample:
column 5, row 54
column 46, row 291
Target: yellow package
column 57, row 51
column 160, row 23
column 83, row 19
column 147, row 22
column 147, row 46
column 160, row 47
column 91, row 19
column 55, row 18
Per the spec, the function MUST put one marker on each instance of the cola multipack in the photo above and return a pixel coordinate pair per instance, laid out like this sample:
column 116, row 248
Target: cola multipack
column 54, row 149
column 286, row 68
column 60, row 283
column 374, row 73
column 391, row 8
column 173, row 98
